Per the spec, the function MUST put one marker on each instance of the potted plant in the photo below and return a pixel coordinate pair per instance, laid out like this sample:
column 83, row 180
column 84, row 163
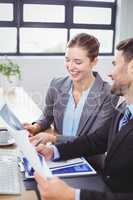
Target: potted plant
column 10, row 74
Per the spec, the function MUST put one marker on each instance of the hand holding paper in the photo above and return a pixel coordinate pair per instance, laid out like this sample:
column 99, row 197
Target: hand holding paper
column 46, row 151
column 54, row 189
column 30, row 153
column 21, row 137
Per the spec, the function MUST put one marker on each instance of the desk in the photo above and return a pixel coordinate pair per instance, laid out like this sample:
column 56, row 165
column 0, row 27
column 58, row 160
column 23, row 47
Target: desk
column 25, row 195
column 90, row 182
column 27, row 111
column 28, row 195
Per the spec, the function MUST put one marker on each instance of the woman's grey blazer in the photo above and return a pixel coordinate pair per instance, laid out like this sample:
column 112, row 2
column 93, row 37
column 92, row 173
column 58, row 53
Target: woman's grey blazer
column 99, row 106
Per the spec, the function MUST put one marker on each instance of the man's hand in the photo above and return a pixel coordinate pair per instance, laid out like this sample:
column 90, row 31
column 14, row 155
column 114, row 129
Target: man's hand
column 43, row 137
column 32, row 128
column 46, row 151
column 54, row 189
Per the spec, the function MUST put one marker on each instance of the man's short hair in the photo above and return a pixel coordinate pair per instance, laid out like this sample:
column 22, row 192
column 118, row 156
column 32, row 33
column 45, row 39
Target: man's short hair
column 127, row 47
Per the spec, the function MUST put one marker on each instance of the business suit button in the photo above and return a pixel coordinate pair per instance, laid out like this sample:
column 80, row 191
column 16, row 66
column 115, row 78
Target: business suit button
column 107, row 177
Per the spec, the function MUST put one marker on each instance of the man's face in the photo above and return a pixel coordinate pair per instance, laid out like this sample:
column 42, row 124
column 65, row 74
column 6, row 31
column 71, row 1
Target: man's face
column 120, row 75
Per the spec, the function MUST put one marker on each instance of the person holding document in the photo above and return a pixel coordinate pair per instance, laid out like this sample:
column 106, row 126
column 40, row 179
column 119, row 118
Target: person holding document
column 79, row 102
column 115, row 138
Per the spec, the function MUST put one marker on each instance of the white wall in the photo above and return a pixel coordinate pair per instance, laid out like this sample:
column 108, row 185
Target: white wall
column 38, row 71
column 124, row 28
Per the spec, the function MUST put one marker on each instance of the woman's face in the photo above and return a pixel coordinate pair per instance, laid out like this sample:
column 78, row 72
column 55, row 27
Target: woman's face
column 77, row 63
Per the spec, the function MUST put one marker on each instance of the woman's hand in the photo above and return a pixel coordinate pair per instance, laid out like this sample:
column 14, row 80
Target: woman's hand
column 54, row 189
column 32, row 128
column 43, row 137
column 46, row 151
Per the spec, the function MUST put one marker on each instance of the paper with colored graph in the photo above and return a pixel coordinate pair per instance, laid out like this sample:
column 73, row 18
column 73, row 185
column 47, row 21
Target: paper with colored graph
column 21, row 137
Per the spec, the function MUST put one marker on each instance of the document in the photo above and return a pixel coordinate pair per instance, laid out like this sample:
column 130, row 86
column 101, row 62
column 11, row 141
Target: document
column 55, row 164
column 21, row 137
column 72, row 167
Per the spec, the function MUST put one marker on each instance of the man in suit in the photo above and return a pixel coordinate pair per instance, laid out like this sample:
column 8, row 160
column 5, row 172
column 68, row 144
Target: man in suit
column 115, row 138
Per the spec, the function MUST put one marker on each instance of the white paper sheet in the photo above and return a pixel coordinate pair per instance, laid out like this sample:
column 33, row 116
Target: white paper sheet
column 21, row 137
column 53, row 164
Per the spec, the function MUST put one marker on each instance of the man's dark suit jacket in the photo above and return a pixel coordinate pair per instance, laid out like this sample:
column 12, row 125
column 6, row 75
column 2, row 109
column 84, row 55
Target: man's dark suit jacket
column 118, row 168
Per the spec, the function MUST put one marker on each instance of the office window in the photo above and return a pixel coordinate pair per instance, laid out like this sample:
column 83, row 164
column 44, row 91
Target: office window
column 91, row 15
column 6, row 12
column 39, row 40
column 8, row 40
column 43, row 27
column 43, row 13
column 102, row 35
column 104, row 0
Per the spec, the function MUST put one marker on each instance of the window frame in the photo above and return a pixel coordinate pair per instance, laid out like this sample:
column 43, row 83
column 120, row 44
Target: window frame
column 68, row 24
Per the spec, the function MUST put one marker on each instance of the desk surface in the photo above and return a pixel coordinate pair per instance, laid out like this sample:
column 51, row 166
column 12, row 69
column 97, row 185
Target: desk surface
column 27, row 111
column 24, row 196
column 24, row 193
column 90, row 182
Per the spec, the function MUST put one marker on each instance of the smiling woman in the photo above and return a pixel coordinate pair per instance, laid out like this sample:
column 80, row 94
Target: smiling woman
column 79, row 103
column 81, row 57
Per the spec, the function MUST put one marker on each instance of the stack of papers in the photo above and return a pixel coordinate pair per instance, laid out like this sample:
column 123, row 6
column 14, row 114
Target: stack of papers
column 73, row 167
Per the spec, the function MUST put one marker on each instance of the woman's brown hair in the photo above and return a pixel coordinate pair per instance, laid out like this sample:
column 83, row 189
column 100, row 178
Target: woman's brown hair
column 87, row 42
